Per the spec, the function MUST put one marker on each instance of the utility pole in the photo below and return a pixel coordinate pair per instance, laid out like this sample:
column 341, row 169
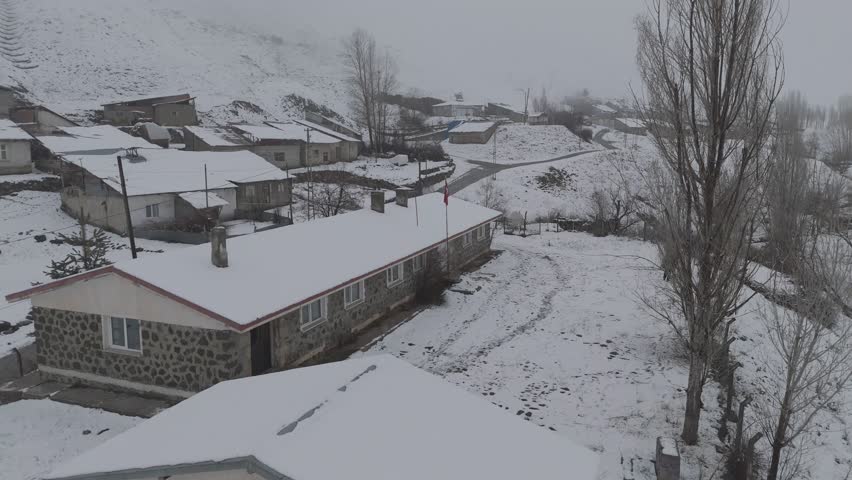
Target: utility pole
column 206, row 193
column 290, row 186
column 310, row 171
column 126, row 208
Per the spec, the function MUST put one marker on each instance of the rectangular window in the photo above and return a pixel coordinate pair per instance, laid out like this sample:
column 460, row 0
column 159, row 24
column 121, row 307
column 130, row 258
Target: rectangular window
column 353, row 294
column 316, row 153
column 394, row 274
column 313, row 313
column 418, row 262
column 280, row 157
column 125, row 334
column 325, row 157
column 152, row 211
column 467, row 239
column 481, row 232
column 4, row 155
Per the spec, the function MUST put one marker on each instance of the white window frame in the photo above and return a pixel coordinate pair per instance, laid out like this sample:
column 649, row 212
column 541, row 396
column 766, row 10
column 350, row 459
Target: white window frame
column 467, row 239
column 481, row 232
column 307, row 324
column 325, row 157
column 109, row 344
column 400, row 267
column 348, row 302
column 283, row 157
column 422, row 259
column 152, row 211
column 4, row 152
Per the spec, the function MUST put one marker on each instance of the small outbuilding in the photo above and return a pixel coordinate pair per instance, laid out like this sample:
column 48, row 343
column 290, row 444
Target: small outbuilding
column 15, row 156
column 473, row 132
column 168, row 111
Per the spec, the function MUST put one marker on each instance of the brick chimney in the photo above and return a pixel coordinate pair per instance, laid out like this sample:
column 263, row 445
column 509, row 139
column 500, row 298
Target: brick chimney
column 377, row 201
column 402, row 196
column 218, row 247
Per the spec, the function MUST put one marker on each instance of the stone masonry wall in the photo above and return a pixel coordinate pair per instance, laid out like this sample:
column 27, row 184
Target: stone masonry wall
column 172, row 356
column 291, row 346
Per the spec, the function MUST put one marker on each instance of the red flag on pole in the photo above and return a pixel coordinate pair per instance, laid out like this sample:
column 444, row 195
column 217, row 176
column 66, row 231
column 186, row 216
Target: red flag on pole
column 446, row 193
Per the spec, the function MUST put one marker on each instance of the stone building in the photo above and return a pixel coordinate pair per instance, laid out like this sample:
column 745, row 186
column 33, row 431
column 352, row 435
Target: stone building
column 166, row 189
column 377, row 416
column 169, row 111
column 179, row 322
column 15, row 156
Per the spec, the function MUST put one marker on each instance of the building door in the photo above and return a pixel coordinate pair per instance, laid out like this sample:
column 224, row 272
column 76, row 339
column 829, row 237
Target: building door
column 261, row 349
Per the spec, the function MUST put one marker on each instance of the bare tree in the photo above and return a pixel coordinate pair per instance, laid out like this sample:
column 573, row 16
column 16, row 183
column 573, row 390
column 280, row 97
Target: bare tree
column 839, row 138
column 814, row 351
column 712, row 71
column 613, row 209
column 492, row 196
column 330, row 199
column 372, row 77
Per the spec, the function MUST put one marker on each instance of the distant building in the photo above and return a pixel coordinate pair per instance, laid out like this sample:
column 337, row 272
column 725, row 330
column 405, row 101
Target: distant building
column 473, row 132
column 630, row 125
column 537, row 118
column 333, row 125
column 39, row 120
column 170, row 111
column 9, row 99
column 458, row 109
column 369, row 418
column 284, row 144
column 182, row 321
column 15, row 157
column 165, row 188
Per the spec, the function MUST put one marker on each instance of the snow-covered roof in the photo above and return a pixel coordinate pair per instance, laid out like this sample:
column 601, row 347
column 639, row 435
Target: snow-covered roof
column 156, row 132
column 605, row 108
column 9, row 130
column 198, row 200
column 97, row 139
column 216, row 136
column 177, row 171
column 328, row 254
column 632, row 122
column 294, row 131
column 473, row 127
column 378, row 417
column 458, row 104
column 322, row 129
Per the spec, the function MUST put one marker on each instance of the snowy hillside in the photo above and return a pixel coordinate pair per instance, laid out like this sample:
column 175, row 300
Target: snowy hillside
column 73, row 56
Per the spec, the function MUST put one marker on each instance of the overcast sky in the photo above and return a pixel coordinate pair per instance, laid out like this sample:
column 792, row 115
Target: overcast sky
column 491, row 48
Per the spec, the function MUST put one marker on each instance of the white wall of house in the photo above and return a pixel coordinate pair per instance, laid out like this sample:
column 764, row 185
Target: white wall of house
column 114, row 295
column 292, row 155
column 162, row 209
column 15, row 157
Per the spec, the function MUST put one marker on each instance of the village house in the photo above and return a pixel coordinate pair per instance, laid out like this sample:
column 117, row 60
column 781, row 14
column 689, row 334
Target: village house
column 349, row 146
column 473, row 132
column 96, row 140
column 178, row 322
column 9, row 99
column 538, row 118
column 39, row 120
column 214, row 139
column 516, row 115
column 334, row 125
column 15, row 154
column 458, row 109
column 630, row 125
column 378, row 417
column 166, row 189
column 169, row 111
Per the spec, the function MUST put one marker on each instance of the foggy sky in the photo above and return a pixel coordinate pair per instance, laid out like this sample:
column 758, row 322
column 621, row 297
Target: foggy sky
column 490, row 48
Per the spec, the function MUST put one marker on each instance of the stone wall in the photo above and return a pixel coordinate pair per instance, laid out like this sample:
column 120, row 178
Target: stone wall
column 172, row 356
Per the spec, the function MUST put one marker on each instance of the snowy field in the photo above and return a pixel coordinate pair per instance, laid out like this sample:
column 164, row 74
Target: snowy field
column 525, row 192
column 38, row 435
column 553, row 332
column 24, row 259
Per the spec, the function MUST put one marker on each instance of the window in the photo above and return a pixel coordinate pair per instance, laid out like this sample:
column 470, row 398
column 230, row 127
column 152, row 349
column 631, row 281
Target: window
column 281, row 187
column 467, row 239
column 325, row 157
column 152, row 211
column 418, row 262
column 316, row 153
column 281, row 157
column 394, row 274
column 249, row 190
column 124, row 334
column 313, row 313
column 481, row 232
column 4, row 154
column 353, row 294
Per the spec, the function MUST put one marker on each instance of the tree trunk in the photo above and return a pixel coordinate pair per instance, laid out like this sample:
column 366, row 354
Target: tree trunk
column 778, row 444
column 694, row 389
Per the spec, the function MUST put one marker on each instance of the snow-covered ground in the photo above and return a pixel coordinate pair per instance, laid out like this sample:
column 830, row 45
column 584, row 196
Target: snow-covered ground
column 96, row 51
column 38, row 435
column 582, row 175
column 24, row 259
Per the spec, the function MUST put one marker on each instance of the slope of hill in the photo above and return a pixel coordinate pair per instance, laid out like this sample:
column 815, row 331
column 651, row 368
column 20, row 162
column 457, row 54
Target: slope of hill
column 73, row 56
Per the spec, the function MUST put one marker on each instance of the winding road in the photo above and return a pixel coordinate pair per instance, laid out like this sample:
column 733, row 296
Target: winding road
column 484, row 169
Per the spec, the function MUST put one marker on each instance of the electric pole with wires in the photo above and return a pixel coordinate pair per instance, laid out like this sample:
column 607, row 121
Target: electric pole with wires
column 126, row 208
